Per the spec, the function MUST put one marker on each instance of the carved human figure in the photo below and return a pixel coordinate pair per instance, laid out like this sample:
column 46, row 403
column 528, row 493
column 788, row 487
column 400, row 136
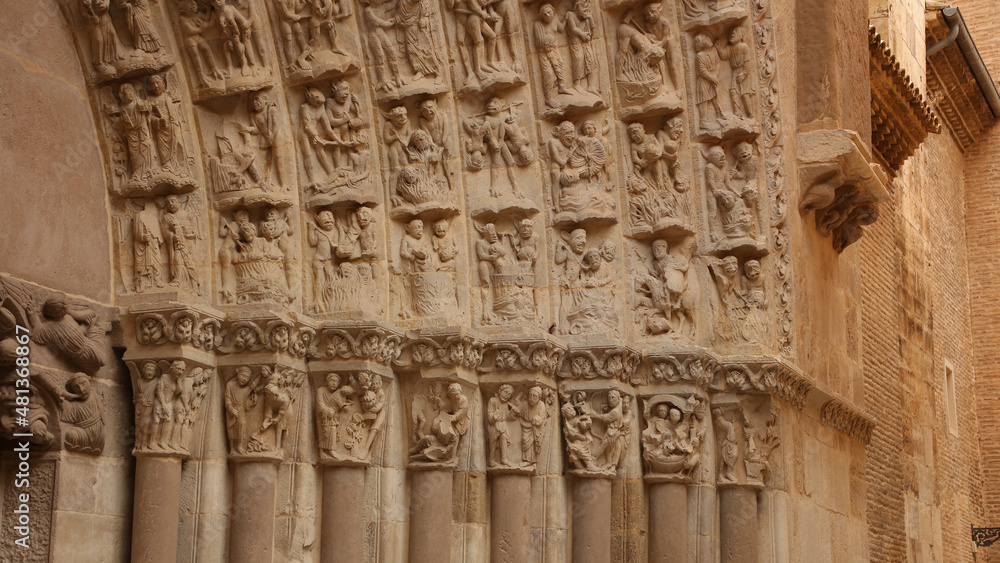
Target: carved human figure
column 165, row 122
column 508, row 143
column 325, row 16
column 291, row 14
column 525, row 244
column 331, row 400
column 731, row 204
column 500, row 412
column 577, row 161
column 344, row 114
column 664, row 290
column 670, row 138
column 236, row 33
column 133, row 121
column 144, row 398
column 361, row 234
column 83, row 413
column 548, row 28
column 439, row 441
column 489, row 251
column 580, row 27
column 257, row 266
column 277, row 402
column 139, row 22
column 382, row 48
column 727, row 281
column 472, row 26
column 414, row 250
column 646, row 153
column 534, row 413
column 193, row 24
column 323, row 236
column 444, row 245
column 710, row 115
column 755, row 324
column 584, row 305
column 578, row 432
column 179, row 232
column 265, row 129
column 105, row 49
column 413, row 18
column 315, row 133
column 73, row 334
column 170, row 413
column 741, row 91
column 433, row 123
column 645, row 60
column 612, row 445
column 147, row 237
column 728, row 447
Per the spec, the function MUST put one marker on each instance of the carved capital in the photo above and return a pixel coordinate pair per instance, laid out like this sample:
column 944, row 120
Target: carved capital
column 168, row 394
column 763, row 374
column 274, row 334
column 350, row 415
column 612, row 362
column 840, row 180
column 597, row 426
column 746, row 434
column 263, row 405
column 847, row 420
column 175, row 325
column 542, row 356
column 695, row 365
column 441, row 413
column 359, row 341
column 518, row 425
column 448, row 349
column 674, row 428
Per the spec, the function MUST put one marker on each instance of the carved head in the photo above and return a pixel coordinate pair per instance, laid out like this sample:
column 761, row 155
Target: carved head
column 428, row 108
column 546, row 12
column 368, row 400
column 79, row 384
column 608, row 251
column 675, row 415
column 660, row 249
column 241, row 216
column 582, row 8
column 177, row 368
column 398, row 117
column 636, row 132
column 248, row 232
column 703, row 42
column 454, row 391
column 173, row 204
column 243, row 375
column 589, row 128
column 441, row 228
column 534, row 395
column 55, row 307
column 614, row 398
column 652, row 11
column 525, row 228
column 325, row 220
column 661, row 410
column 315, row 97
column 127, row 93
column 365, row 216
column 505, row 392
column 156, row 85
column 341, row 91
column 148, row 370
column 566, row 133
column 332, row 381
column 736, row 35
column 415, row 228
column 257, row 101
column 752, row 269
column 568, row 410
column 190, row 7
column 270, row 226
column 420, row 139
column 490, row 230
column 184, row 328
column 585, row 423
column 592, row 260
column 675, row 128
column 716, row 156
column 730, row 265
column 495, row 105
column 578, row 240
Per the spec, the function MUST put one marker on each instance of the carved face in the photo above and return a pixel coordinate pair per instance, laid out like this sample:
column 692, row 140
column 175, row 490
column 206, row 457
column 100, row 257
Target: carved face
column 341, row 92
column 398, row 116
column 368, row 400
column 661, row 410
column 365, row 217
column 454, row 391
column 566, row 133
column 675, row 415
column 495, row 105
column 660, row 249
column 315, row 97
column 589, row 128
column 415, row 228
column 325, row 220
column 247, row 232
column 332, row 381
column 156, row 85
column 636, row 133
column 744, row 151
column 614, row 398
column 126, row 93
column 752, row 269
column 730, row 265
column 592, row 260
column 269, row 225
column 190, row 7
column 280, row 337
column 675, row 128
column 491, row 232
column 420, row 139
column 173, row 204
column 652, row 11
column 428, row 109
column 736, row 35
column 578, row 240
column 441, row 228
column 526, row 229
column 506, row 392
column 257, row 101
column 148, row 370
column 534, row 396
column 585, row 423
column 79, row 385
column 243, row 376
column 608, row 252
column 546, row 13
column 716, row 156
column 185, row 327
column 177, row 368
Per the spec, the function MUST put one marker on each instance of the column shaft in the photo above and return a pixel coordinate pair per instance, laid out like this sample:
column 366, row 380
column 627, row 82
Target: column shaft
column 343, row 515
column 509, row 508
column 668, row 518
column 156, row 509
column 430, row 516
column 251, row 539
column 591, row 520
column 738, row 524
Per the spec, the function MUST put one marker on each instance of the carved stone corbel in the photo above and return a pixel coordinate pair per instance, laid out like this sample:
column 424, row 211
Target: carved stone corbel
column 841, row 181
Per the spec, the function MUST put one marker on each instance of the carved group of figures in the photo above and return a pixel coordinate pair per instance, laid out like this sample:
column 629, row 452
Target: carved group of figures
column 168, row 398
column 345, row 273
column 419, row 157
column 507, row 266
column 148, row 132
column 485, row 32
column 250, row 153
column 495, row 140
column 332, row 133
column 666, row 290
column 440, row 421
column 164, row 233
column 350, row 415
column 428, row 262
column 656, row 184
column 517, row 426
column 585, row 273
column 709, row 54
column 597, row 427
column 66, row 343
column 732, row 194
column 578, row 170
column 576, row 28
column 226, row 43
column 315, row 34
column 258, row 260
column 754, row 447
column 646, row 68
column 121, row 36
column 675, row 431
column 742, row 312
column 403, row 31
column 261, row 407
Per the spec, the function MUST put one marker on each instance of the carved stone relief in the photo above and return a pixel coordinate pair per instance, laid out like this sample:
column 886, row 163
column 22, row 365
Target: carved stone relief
column 517, row 422
column 261, row 407
column 647, row 72
column 440, row 420
column 735, row 214
column 657, row 185
column 666, row 288
column 168, row 398
column 347, row 273
column 725, row 88
column 226, row 44
column 596, row 426
column 119, row 37
column 350, row 416
column 427, row 266
column 585, row 273
column 148, row 136
column 498, row 152
column 568, row 32
column 580, row 172
column 675, row 428
column 258, row 256
column 184, row 326
column 488, row 39
column 747, row 432
column 316, row 37
column 742, row 313
column 508, row 270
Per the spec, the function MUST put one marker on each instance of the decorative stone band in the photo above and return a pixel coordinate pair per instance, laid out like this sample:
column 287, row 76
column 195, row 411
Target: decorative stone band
column 542, row 354
column 175, row 324
column 603, row 361
column 452, row 347
column 359, row 341
column 847, row 420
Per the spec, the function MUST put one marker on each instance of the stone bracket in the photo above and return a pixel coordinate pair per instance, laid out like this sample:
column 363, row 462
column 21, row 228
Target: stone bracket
column 840, row 180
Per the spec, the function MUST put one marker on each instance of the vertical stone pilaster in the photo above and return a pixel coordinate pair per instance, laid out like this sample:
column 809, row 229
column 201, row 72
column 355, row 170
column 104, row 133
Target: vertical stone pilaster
column 157, row 502
column 343, row 514
column 430, row 515
column 591, row 520
column 251, row 536
column 668, row 521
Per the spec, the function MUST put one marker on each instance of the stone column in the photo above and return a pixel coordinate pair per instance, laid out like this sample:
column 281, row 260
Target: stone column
column 251, row 535
column 738, row 524
column 668, row 518
column 430, row 516
column 343, row 514
column 591, row 520
column 509, row 530
column 155, row 512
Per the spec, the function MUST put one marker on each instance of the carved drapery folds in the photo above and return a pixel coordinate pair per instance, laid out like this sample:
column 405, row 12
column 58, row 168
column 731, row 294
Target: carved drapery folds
column 841, row 182
column 168, row 396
